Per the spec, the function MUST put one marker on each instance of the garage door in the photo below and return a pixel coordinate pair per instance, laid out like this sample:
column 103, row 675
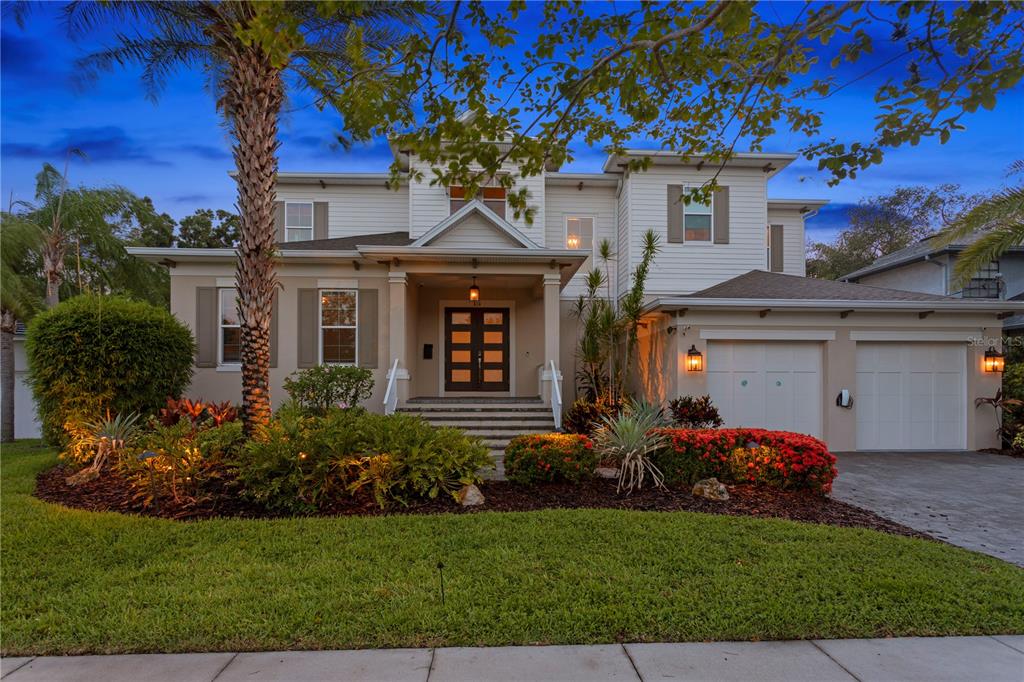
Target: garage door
column 911, row 396
column 770, row 385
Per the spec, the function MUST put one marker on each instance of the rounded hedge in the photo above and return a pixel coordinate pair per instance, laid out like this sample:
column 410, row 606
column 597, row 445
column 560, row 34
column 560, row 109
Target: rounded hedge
column 93, row 353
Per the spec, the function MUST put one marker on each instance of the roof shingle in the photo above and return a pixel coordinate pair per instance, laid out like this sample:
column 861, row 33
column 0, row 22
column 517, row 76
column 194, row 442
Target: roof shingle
column 758, row 284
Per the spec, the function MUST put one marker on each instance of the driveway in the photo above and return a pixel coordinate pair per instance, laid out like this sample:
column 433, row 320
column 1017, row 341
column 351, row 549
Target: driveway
column 968, row 499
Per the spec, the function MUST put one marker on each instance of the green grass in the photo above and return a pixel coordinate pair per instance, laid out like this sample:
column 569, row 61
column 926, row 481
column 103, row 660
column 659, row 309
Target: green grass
column 77, row 582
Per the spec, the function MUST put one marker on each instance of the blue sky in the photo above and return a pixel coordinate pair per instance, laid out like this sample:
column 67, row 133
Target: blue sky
column 176, row 151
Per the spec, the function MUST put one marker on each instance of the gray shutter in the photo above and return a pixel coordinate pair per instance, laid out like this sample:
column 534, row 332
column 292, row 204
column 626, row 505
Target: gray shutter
column 279, row 220
column 309, row 345
column 368, row 327
column 721, row 215
column 319, row 220
column 675, row 214
column 775, row 243
column 273, row 329
column 206, row 326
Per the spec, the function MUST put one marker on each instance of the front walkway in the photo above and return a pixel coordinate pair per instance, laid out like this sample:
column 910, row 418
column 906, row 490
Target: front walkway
column 911, row 658
column 968, row 499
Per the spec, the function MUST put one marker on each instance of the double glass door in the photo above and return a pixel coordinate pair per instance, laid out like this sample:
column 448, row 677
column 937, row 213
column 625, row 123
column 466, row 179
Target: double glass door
column 476, row 349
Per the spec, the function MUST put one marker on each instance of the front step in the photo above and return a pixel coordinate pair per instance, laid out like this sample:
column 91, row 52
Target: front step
column 495, row 421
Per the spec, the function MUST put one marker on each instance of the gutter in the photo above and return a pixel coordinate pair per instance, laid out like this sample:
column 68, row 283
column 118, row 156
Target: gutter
column 953, row 304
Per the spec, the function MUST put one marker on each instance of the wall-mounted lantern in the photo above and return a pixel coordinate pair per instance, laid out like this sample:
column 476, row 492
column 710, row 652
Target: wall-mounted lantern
column 994, row 361
column 474, row 292
column 694, row 360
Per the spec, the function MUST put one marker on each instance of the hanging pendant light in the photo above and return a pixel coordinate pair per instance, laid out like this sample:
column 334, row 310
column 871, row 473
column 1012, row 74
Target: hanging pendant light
column 474, row 291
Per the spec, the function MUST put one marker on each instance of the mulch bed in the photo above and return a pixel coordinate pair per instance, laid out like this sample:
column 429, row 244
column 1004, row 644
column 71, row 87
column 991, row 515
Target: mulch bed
column 1019, row 454
column 110, row 492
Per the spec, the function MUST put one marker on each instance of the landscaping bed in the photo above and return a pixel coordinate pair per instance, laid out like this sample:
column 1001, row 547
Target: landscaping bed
column 112, row 493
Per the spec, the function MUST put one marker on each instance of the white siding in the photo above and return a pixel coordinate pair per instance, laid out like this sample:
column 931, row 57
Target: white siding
column 622, row 246
column 794, row 260
column 428, row 205
column 355, row 209
column 475, row 232
column 592, row 201
column 685, row 268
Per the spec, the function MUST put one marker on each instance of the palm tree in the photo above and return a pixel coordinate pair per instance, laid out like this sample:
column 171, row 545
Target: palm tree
column 20, row 298
column 250, row 51
column 70, row 220
column 1000, row 222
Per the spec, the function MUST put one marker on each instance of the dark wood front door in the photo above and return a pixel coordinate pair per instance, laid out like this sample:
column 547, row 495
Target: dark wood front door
column 476, row 349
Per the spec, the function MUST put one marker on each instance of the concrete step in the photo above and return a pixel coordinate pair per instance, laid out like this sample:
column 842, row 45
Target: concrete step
column 520, row 427
column 498, row 417
column 468, row 409
column 475, row 400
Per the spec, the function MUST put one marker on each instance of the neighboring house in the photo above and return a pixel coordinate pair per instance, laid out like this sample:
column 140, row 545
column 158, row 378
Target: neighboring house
column 383, row 278
column 26, row 423
column 927, row 267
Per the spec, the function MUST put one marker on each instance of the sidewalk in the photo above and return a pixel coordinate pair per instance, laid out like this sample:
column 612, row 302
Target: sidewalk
column 868, row 660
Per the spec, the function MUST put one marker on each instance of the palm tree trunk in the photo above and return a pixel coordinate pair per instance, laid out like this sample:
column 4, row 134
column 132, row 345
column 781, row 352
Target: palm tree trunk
column 53, row 268
column 253, row 97
column 7, row 327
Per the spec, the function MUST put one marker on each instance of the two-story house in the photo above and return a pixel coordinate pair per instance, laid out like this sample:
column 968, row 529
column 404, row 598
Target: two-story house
column 928, row 267
column 452, row 301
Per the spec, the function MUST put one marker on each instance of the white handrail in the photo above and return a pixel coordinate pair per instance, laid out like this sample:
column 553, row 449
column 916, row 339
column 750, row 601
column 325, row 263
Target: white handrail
column 556, row 395
column 391, row 394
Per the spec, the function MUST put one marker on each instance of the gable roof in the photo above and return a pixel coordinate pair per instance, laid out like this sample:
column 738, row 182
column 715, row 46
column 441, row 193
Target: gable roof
column 348, row 243
column 476, row 207
column 921, row 250
column 761, row 285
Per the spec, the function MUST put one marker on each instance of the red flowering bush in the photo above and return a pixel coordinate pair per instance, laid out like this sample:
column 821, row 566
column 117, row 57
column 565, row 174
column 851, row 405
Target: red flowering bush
column 775, row 458
column 550, row 457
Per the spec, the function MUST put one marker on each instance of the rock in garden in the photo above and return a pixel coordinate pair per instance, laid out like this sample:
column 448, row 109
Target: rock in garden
column 607, row 472
column 470, row 496
column 710, row 488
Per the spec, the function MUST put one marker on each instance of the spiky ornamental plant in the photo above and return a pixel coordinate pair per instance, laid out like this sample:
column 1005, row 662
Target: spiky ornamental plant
column 252, row 52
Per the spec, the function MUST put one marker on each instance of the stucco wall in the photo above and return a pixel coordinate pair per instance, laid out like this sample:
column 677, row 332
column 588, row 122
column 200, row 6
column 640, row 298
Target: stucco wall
column 225, row 383
column 839, row 368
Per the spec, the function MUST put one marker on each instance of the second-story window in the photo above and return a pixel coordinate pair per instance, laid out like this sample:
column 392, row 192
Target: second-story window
column 579, row 233
column 985, row 284
column 493, row 198
column 298, row 221
column 697, row 222
column 230, row 329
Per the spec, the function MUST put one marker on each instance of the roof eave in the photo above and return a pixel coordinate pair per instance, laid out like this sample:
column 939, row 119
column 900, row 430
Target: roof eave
column 951, row 304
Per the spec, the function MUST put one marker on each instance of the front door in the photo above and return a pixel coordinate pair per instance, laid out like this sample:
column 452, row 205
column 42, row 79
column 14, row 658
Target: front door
column 476, row 349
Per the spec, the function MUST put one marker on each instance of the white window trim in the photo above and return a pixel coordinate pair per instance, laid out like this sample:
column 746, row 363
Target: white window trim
column 320, row 326
column 220, row 331
column 312, row 222
column 711, row 213
column 767, row 245
column 593, row 232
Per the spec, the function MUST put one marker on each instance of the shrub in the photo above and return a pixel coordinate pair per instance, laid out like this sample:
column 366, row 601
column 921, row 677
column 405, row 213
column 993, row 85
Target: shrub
column 549, row 458
column 776, row 458
column 182, row 462
column 91, row 354
column 693, row 412
column 630, row 439
column 321, row 388
column 303, row 463
column 196, row 412
column 585, row 415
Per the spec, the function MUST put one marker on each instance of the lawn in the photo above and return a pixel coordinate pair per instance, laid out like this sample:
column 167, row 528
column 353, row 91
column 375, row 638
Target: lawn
column 82, row 582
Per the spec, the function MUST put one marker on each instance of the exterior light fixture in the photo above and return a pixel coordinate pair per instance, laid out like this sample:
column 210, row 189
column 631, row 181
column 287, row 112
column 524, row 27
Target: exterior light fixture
column 573, row 242
column 994, row 361
column 694, row 360
column 474, row 292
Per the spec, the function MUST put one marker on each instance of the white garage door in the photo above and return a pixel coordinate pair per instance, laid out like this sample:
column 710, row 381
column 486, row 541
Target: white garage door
column 911, row 396
column 769, row 385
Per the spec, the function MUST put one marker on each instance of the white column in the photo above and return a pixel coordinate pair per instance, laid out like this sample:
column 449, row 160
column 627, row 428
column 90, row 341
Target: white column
column 552, row 330
column 397, row 283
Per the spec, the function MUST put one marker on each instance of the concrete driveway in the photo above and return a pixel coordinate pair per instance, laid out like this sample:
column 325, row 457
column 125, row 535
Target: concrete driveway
column 968, row 499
